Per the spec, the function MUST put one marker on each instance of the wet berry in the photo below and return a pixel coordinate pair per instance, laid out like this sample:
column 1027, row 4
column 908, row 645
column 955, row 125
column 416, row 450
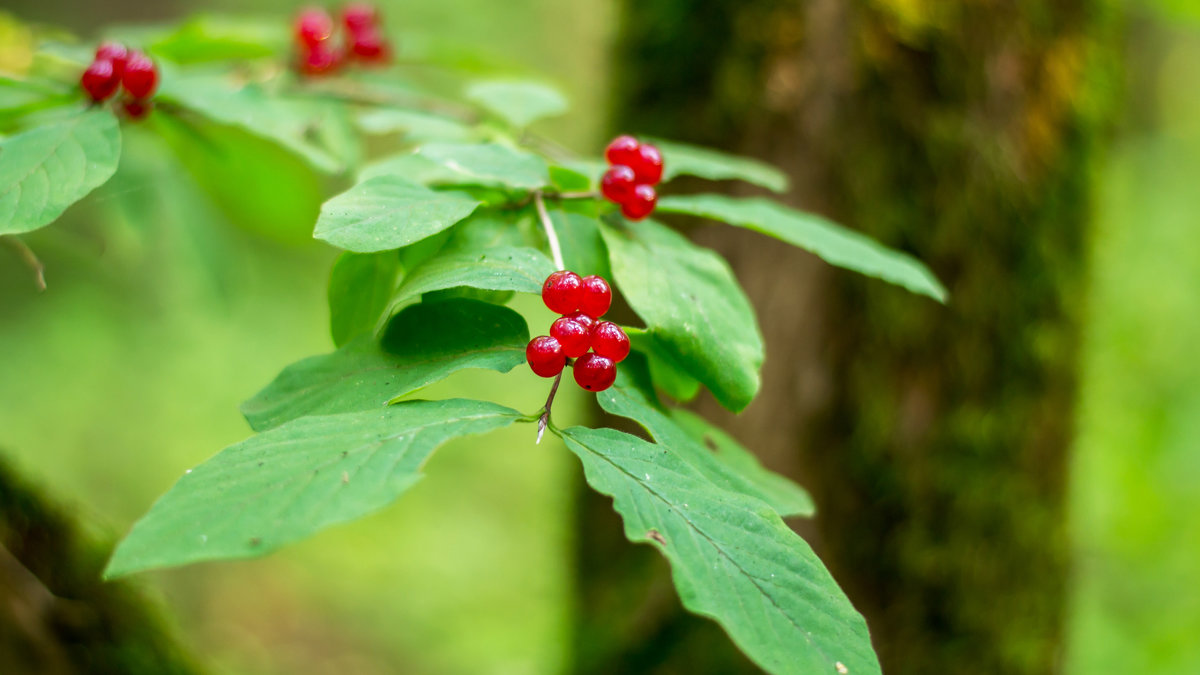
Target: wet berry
column 622, row 150
column 594, row 372
column 574, row 337
column 313, row 26
column 561, row 292
column 359, row 16
column 617, row 183
column 610, row 341
column 140, row 77
column 545, row 356
column 320, row 60
column 596, row 297
column 582, row 318
column 115, row 52
column 647, row 165
column 100, row 80
column 641, row 204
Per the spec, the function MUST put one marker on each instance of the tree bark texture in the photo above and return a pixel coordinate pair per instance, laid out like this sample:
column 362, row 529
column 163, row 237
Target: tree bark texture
column 934, row 438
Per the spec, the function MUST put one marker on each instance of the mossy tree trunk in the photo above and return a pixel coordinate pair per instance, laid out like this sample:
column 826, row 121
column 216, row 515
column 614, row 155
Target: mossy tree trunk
column 933, row 438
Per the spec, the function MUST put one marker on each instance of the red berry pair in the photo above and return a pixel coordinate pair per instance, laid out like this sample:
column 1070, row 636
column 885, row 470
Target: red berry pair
column 581, row 302
column 320, row 55
column 635, row 168
column 115, row 66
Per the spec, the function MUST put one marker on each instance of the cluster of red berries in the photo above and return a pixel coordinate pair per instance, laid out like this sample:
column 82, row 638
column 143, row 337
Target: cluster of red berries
column 581, row 302
column 634, row 169
column 322, row 55
column 116, row 66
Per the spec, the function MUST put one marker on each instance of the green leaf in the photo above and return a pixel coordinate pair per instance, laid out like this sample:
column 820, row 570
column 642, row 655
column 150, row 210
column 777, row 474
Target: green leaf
column 710, row 451
column 496, row 269
column 566, row 179
column 830, row 241
column 46, row 169
column 521, row 103
column 217, row 38
column 682, row 159
column 490, row 164
column 360, row 286
column 295, row 480
column 582, row 246
column 422, row 344
column 692, row 304
column 732, row 558
column 410, row 167
column 664, row 372
column 387, row 212
column 415, row 126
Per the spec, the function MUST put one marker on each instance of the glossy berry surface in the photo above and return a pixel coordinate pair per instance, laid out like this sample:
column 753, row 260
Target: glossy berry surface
column 115, row 52
column 140, row 77
column 641, row 204
column 596, row 297
column 370, row 46
column 617, row 183
column 610, row 341
column 320, row 60
column 647, row 165
column 545, row 356
column 622, row 150
column 100, row 80
column 313, row 26
column 136, row 109
column 359, row 16
column 561, row 292
column 594, row 372
column 574, row 337
column 582, row 318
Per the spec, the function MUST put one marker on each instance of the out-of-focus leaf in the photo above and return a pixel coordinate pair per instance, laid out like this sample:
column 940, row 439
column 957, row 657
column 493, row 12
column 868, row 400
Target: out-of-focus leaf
column 415, row 126
column 217, row 38
column 48, row 168
column 519, row 102
column 489, row 164
column 732, row 558
column 569, row 180
column 360, row 286
column 682, row 159
column 422, row 344
column 260, row 186
column 387, row 212
column 693, row 305
column 831, row 242
column 295, row 480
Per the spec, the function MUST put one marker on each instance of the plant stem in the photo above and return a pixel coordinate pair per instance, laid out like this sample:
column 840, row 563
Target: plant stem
column 574, row 195
column 30, row 258
column 544, row 420
column 551, row 235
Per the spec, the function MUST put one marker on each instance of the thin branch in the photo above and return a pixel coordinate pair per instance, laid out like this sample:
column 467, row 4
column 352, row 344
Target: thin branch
column 30, row 259
column 544, row 420
column 551, row 235
column 573, row 195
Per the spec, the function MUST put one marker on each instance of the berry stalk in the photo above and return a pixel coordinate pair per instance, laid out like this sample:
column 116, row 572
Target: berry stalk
column 551, row 236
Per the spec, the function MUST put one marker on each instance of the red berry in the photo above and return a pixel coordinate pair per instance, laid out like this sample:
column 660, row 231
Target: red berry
column 648, row 165
column 319, row 60
column 545, row 356
column 561, row 292
column 641, row 204
column 582, row 318
column 610, row 341
column 140, row 77
column 622, row 150
column 596, row 297
column 100, row 80
column 370, row 46
column 617, row 183
column 594, row 372
column 359, row 16
column 137, row 109
column 313, row 26
column 574, row 337
column 115, row 52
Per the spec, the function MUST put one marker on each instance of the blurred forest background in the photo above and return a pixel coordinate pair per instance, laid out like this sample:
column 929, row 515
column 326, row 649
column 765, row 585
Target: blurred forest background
column 162, row 316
